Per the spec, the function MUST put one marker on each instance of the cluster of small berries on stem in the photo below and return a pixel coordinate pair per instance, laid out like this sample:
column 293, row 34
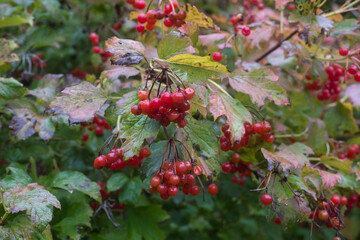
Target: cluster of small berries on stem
column 37, row 61
column 263, row 128
column 239, row 168
column 257, row 3
column 97, row 125
column 114, row 159
column 98, row 50
column 237, row 22
column 167, row 106
column 351, row 153
column 169, row 14
column 175, row 173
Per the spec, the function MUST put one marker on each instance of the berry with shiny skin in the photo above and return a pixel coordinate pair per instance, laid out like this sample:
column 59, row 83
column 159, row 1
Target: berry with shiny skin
column 266, row 199
column 213, row 189
column 217, row 56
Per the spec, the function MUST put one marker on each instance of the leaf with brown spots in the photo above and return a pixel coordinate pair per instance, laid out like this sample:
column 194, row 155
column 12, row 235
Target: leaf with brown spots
column 79, row 102
column 329, row 180
column 125, row 51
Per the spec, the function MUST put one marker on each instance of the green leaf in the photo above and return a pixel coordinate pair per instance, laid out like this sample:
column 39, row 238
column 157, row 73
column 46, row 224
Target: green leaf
column 45, row 128
column 346, row 26
column 79, row 102
column 10, row 88
column 75, row 214
column 192, row 30
column 116, row 181
column 125, row 51
column 289, row 157
column 33, row 199
column 172, row 44
column 196, row 68
column 21, row 227
column 70, row 181
column 151, row 164
column 15, row 20
column 329, row 180
column 259, row 84
column 143, row 222
column 131, row 192
column 318, row 136
column 201, row 134
column 222, row 104
column 6, row 49
column 339, row 120
column 17, row 177
column 136, row 129
column 200, row 19
column 343, row 165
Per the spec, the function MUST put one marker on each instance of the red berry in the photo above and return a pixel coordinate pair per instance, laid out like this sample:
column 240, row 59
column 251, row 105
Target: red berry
column 357, row 76
column 266, row 199
column 96, row 49
column 343, row 200
column 162, row 188
column 335, row 199
column 151, row 14
column 142, row 18
column 182, row 123
column 257, row 128
column 173, row 191
column 323, row 215
column 213, row 189
column 140, row 28
column 352, row 69
column 269, row 139
column 181, row 168
column 142, row 95
column 291, row 6
column 100, row 162
column 160, row 14
column 145, row 152
column 181, row 15
column 117, row 26
column 189, row 93
column 194, row 190
column 245, row 31
column 354, row 198
column 190, row 179
column 135, row 110
column 343, row 51
column 168, row 9
column 226, row 167
column 155, row 103
column 174, row 180
column 93, row 36
column 85, row 137
column 177, row 97
column 155, row 181
column 217, row 56
column 118, row 165
column 130, row 1
column 133, row 162
column 150, row 26
column 140, row 4
column 98, row 131
column 197, row 170
column 168, row 22
column 111, row 157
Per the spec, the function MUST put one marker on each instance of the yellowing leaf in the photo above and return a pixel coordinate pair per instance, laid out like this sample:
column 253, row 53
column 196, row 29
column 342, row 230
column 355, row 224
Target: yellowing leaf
column 343, row 165
column 6, row 48
column 196, row 68
column 193, row 15
column 329, row 180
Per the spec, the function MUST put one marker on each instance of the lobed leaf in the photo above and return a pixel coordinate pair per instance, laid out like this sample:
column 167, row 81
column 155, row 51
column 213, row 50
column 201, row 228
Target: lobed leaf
column 172, row 44
column 125, row 51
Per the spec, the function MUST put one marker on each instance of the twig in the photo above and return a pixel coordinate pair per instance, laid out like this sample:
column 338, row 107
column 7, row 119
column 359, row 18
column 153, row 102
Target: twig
column 276, row 46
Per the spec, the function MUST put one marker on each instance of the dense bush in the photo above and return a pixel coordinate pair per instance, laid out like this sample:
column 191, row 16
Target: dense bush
column 180, row 120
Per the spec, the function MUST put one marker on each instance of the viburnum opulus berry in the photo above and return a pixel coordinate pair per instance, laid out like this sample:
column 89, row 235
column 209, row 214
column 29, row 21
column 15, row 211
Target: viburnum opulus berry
column 266, row 199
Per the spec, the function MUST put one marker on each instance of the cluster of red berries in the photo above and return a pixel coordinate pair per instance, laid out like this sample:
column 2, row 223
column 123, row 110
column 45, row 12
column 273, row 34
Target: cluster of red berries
column 352, row 152
column 182, row 174
column 37, row 61
column 97, row 125
column 257, row 3
column 348, row 202
column 138, row 4
column 105, row 195
column 263, row 128
column 352, row 69
column 170, row 16
column 239, row 168
column 79, row 73
column 114, row 159
column 237, row 22
column 330, row 88
column 169, row 107
column 98, row 50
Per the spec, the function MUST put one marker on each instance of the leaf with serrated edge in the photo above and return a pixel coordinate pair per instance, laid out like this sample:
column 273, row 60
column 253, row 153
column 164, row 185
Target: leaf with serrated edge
column 11, row 88
column 33, row 199
column 135, row 129
column 222, row 104
column 343, row 165
column 196, row 68
column 172, row 44
column 329, row 180
column 71, row 180
column 79, row 102
column 194, row 16
column 116, row 181
column 125, row 51
column 289, row 157
column 259, row 84
column 17, row 177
